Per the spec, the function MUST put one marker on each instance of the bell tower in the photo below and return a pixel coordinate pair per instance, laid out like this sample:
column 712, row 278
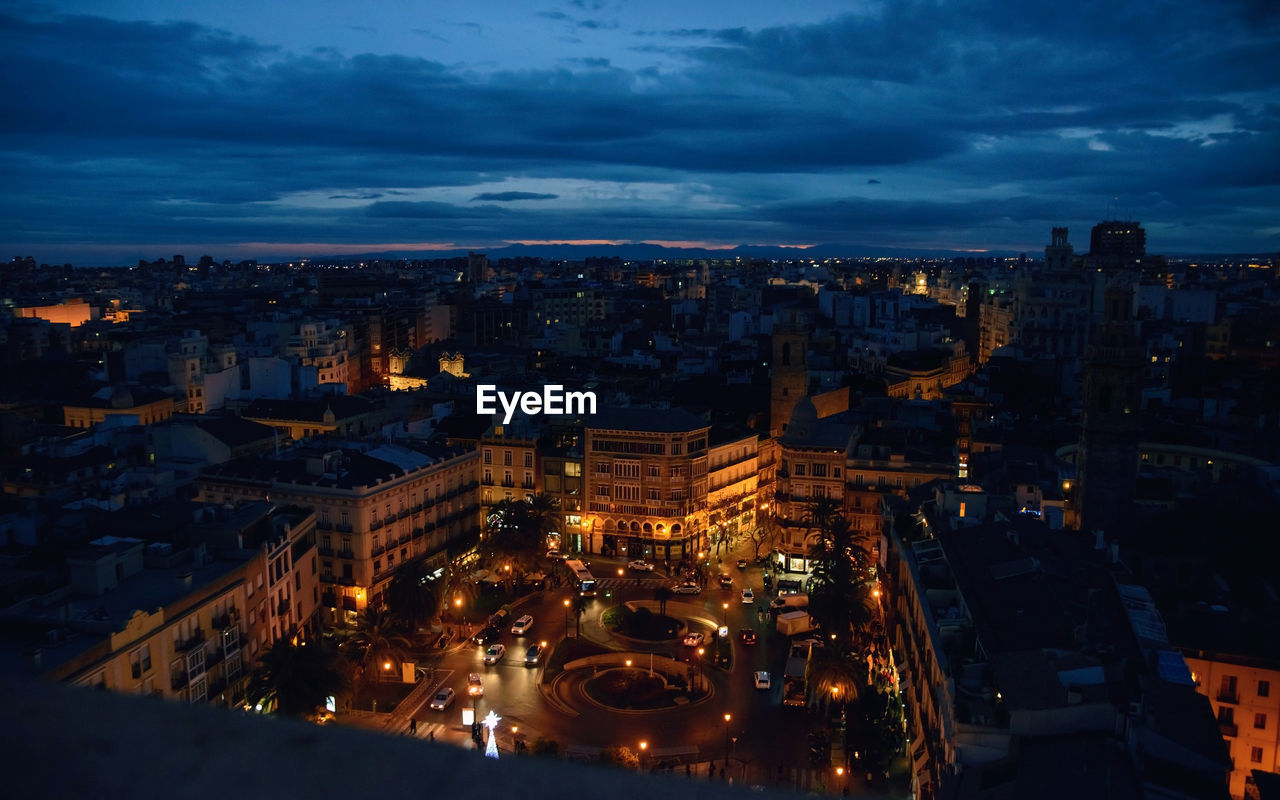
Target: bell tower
column 1107, row 459
column 788, row 373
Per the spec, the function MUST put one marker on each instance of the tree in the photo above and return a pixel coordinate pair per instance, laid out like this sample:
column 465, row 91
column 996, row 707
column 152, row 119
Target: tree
column 542, row 746
column 765, row 534
column 378, row 640
column 294, row 680
column 662, row 594
column 620, row 756
column 579, row 608
column 838, row 599
column 833, row 676
column 518, row 532
column 413, row 596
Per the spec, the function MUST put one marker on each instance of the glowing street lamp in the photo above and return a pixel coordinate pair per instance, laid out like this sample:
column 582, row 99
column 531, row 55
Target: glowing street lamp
column 643, row 747
column 727, row 717
column 566, row 617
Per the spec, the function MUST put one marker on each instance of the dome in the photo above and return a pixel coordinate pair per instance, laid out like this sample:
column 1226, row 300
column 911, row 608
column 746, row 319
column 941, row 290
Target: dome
column 121, row 397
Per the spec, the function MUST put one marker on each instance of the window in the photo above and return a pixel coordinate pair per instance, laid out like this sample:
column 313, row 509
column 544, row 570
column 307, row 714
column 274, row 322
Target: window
column 1260, row 721
column 572, row 469
column 819, row 470
column 799, row 468
column 625, row 492
column 654, row 494
column 506, row 458
column 488, row 456
column 1264, row 688
column 835, row 472
column 677, row 448
column 528, row 459
column 1255, row 755
column 1226, row 715
column 604, row 468
column 602, row 489
column 654, row 471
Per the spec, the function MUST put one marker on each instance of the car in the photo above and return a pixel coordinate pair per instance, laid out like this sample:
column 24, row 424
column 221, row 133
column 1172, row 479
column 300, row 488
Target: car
column 742, row 563
column 687, row 588
column 494, row 654
column 554, row 555
column 522, row 625
column 694, row 639
column 475, row 685
column 485, row 635
column 499, row 618
column 748, row 636
column 534, row 654
column 761, row 679
column 748, row 596
column 726, row 581
column 442, row 700
column 640, row 564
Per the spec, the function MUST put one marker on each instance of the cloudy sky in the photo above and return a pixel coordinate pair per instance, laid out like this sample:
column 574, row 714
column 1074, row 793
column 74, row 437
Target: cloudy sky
column 242, row 128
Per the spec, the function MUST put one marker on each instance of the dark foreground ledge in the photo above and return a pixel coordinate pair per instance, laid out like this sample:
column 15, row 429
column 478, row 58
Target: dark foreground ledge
column 61, row 741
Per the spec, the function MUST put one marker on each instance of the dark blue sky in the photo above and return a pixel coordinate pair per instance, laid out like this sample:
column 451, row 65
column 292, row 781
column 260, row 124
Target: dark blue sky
column 139, row 128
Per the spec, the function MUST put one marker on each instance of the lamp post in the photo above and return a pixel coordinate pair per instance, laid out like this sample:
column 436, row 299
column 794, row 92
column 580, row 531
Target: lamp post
column 701, row 650
column 643, row 747
column 567, row 603
column 727, row 717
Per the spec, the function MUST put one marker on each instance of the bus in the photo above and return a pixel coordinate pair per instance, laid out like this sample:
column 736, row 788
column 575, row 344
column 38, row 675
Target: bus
column 586, row 584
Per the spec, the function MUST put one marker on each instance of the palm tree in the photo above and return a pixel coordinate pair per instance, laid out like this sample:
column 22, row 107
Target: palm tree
column 378, row 640
column 839, row 598
column 834, row 677
column 662, row 594
column 414, row 595
column 544, row 517
column 579, row 608
column 517, row 536
column 294, row 680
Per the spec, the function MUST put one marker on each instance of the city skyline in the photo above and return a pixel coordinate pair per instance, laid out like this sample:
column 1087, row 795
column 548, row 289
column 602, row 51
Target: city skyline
column 137, row 130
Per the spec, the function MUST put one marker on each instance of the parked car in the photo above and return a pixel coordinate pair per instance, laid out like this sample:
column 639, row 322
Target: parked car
column 442, row 700
column 748, row 636
column 522, row 625
column 485, row 635
column 762, row 679
column 748, row 596
column 687, row 588
column 640, row 564
column 475, row 685
column 694, row 639
column 534, row 654
column 494, row 654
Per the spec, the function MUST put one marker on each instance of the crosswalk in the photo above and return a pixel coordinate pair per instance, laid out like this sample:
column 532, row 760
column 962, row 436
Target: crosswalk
column 630, row 582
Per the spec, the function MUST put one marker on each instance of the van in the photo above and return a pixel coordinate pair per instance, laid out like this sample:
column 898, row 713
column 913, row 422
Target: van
column 522, row 625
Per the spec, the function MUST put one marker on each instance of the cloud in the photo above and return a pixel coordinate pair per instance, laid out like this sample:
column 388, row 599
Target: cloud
column 989, row 119
column 509, row 197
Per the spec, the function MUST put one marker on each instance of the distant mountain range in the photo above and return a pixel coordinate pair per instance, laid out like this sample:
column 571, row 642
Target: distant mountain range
column 647, row 252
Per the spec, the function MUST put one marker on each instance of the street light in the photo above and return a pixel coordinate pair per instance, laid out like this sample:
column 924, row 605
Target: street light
column 727, row 717
column 701, row 650
column 566, row 617
column 643, row 747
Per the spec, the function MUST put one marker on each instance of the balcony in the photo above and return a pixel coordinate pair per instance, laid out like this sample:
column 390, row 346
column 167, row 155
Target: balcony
column 344, row 527
column 379, row 550
column 1229, row 729
column 487, row 480
column 196, row 639
column 178, row 681
column 324, row 551
column 509, row 484
column 346, row 553
column 375, row 524
column 1232, row 697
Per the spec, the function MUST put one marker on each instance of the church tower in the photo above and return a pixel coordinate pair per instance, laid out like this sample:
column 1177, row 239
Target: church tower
column 1107, row 459
column 788, row 373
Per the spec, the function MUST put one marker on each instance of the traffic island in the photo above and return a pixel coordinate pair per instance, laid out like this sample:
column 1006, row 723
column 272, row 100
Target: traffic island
column 641, row 623
column 629, row 690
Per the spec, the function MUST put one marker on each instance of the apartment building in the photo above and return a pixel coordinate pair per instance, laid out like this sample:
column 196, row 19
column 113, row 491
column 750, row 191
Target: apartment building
column 646, row 483
column 376, row 506
column 733, row 477
column 183, row 624
column 1245, row 695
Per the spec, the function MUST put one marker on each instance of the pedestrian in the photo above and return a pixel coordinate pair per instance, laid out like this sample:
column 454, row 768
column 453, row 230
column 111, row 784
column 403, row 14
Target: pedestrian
column 722, row 773
column 413, row 726
column 431, row 735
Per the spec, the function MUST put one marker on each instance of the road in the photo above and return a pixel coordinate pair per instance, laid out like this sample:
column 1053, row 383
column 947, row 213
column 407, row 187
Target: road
column 766, row 734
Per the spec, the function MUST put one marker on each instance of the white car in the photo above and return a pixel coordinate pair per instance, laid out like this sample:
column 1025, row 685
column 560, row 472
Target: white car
column 762, row 680
column 640, row 564
column 494, row 654
column 687, row 588
column 475, row 685
column 748, row 596
column 694, row 639
column 522, row 625
column 442, row 700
